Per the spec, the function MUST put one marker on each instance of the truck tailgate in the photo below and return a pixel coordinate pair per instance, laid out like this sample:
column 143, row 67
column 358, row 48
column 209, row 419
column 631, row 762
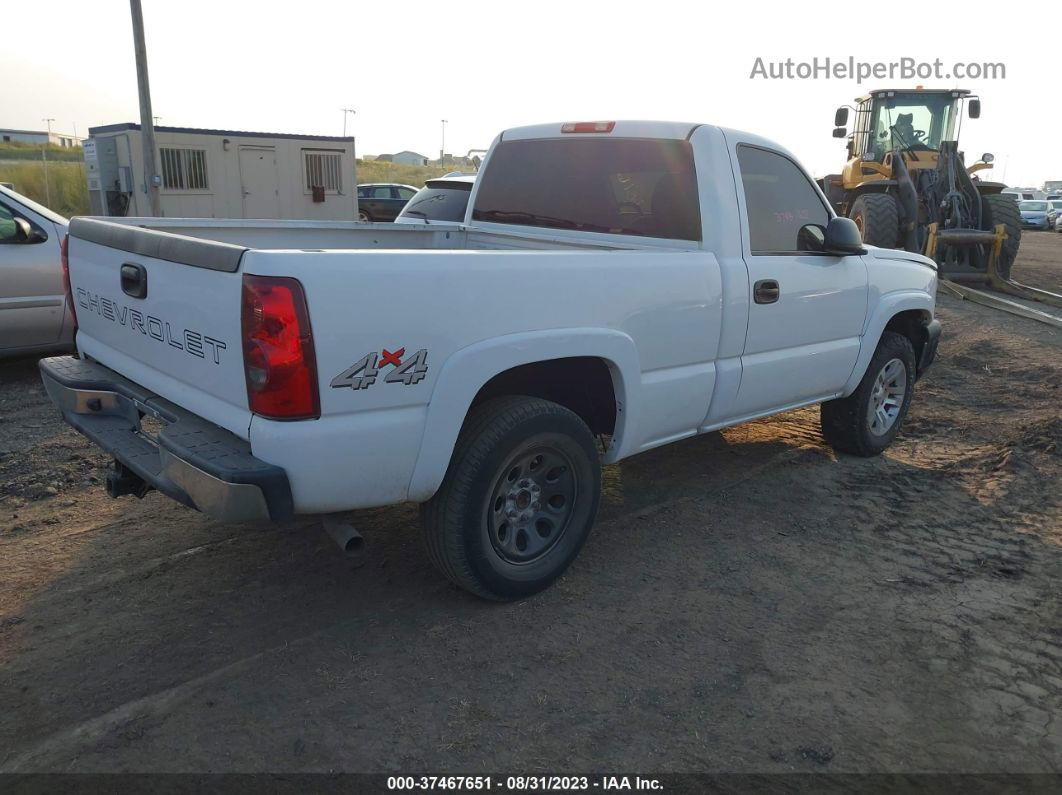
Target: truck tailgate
column 164, row 311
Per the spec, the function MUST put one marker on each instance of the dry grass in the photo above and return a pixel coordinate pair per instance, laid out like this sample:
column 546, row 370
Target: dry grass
column 66, row 191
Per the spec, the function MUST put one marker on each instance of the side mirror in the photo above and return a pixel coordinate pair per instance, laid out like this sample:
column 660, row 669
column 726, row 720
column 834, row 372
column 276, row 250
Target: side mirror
column 26, row 233
column 23, row 230
column 840, row 118
column 974, row 108
column 839, row 132
column 987, row 157
column 842, row 238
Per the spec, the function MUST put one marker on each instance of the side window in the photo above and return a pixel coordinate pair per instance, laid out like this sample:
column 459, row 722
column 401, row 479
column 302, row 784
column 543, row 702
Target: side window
column 405, row 193
column 363, row 193
column 381, row 192
column 780, row 201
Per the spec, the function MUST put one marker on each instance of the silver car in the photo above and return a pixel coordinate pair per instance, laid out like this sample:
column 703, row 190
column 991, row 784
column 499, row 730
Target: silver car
column 34, row 315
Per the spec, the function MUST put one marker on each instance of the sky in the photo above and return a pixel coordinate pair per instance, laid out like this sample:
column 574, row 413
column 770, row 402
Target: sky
column 486, row 66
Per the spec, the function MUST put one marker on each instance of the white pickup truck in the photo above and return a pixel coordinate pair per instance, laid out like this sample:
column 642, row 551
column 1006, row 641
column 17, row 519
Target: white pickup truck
column 623, row 284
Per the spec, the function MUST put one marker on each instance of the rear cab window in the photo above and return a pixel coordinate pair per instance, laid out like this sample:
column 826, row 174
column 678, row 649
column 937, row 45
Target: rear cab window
column 624, row 186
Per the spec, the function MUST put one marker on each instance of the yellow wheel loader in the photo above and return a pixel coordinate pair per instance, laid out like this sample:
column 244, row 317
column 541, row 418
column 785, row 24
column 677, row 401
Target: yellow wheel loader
column 906, row 185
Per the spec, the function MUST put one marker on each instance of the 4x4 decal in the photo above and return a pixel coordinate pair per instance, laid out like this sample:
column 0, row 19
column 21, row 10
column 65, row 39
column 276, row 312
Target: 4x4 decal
column 362, row 374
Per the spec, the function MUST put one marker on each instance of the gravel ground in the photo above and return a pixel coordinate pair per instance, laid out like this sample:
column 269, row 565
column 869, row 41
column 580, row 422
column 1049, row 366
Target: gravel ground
column 749, row 601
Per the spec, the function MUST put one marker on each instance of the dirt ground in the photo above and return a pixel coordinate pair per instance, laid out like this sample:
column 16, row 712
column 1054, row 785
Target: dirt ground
column 1039, row 262
column 748, row 601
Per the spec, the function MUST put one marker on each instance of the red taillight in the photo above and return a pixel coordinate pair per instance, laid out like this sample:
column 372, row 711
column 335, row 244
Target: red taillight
column 278, row 357
column 588, row 127
column 64, row 256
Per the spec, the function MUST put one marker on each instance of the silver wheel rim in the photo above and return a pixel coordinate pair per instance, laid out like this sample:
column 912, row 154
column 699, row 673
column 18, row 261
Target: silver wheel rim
column 362, row 216
column 886, row 397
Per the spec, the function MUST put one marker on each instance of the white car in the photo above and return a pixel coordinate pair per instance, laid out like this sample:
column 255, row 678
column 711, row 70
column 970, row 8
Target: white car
column 614, row 284
column 441, row 199
column 34, row 311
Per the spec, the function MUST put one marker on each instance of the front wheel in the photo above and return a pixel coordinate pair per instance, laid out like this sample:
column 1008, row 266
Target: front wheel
column 364, row 216
column 518, row 498
column 866, row 422
column 877, row 215
column 999, row 208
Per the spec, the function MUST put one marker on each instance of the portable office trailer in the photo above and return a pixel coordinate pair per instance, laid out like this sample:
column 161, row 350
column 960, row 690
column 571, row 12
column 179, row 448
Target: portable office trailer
column 223, row 174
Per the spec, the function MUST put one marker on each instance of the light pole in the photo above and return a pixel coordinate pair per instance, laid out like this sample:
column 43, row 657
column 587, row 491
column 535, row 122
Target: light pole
column 346, row 111
column 442, row 148
column 147, row 128
column 44, row 157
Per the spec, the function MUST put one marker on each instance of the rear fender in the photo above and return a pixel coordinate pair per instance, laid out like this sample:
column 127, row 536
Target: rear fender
column 466, row 371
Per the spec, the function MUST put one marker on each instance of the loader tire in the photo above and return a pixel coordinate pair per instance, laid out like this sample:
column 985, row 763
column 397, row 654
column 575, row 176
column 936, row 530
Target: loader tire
column 517, row 501
column 1001, row 209
column 878, row 217
column 866, row 422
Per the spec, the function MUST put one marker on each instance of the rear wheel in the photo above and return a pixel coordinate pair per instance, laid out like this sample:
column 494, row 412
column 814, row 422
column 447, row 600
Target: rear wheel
column 878, row 217
column 364, row 216
column 866, row 422
column 518, row 499
column 999, row 208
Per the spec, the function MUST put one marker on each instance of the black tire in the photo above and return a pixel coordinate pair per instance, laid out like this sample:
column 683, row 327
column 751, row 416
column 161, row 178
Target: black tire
column 999, row 208
column 878, row 217
column 846, row 424
column 364, row 216
column 464, row 527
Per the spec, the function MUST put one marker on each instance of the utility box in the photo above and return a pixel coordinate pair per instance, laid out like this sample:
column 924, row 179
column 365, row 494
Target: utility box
column 223, row 174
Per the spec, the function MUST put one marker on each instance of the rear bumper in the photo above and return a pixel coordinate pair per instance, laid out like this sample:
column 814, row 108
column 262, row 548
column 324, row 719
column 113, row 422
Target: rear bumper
column 189, row 459
column 929, row 349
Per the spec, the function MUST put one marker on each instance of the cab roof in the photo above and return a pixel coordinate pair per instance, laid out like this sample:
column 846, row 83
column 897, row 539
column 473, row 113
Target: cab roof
column 877, row 92
column 676, row 130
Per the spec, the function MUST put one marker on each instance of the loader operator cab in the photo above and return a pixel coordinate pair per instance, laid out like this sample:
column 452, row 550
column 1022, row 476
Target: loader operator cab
column 914, row 121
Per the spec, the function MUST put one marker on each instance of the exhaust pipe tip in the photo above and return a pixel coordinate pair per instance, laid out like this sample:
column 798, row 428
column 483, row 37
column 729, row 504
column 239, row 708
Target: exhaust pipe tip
column 349, row 540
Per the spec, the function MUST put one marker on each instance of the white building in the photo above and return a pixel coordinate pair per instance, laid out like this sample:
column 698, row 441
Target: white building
column 38, row 137
column 223, row 174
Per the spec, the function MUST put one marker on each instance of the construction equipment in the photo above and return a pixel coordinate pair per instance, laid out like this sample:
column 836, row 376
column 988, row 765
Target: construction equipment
column 906, row 186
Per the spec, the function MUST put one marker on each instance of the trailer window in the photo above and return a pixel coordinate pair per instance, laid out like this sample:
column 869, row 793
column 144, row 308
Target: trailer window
column 183, row 169
column 322, row 169
column 624, row 186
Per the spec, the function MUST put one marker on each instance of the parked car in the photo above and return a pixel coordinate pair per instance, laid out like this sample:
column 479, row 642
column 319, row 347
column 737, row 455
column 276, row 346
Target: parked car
column 1037, row 215
column 34, row 314
column 442, row 199
column 1021, row 194
column 1056, row 205
column 633, row 283
column 382, row 201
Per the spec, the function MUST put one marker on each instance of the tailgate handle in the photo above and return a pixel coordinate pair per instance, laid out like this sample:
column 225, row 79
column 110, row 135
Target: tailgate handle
column 134, row 280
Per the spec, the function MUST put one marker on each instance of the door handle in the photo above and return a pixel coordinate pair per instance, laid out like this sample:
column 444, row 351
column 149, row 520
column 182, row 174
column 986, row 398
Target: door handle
column 765, row 291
